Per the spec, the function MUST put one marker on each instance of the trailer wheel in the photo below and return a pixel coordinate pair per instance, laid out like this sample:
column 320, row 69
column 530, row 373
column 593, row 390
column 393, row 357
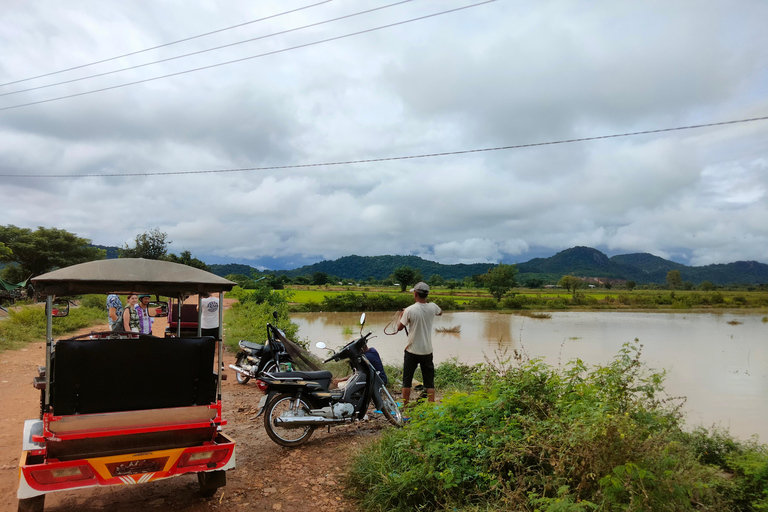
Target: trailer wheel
column 36, row 504
column 210, row 481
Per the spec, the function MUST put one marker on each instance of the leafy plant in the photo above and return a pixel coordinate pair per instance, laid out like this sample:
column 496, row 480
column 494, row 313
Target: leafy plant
column 531, row 437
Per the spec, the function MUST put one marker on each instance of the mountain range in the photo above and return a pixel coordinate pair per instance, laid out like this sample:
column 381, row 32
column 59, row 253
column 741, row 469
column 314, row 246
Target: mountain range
column 643, row 268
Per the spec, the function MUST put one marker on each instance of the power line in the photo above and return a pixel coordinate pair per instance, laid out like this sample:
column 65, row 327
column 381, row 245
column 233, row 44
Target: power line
column 249, row 58
column 392, row 158
column 203, row 51
column 162, row 45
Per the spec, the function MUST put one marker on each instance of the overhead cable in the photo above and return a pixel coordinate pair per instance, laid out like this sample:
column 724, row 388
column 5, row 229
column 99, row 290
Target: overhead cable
column 352, row 34
column 163, row 45
column 203, row 51
column 388, row 159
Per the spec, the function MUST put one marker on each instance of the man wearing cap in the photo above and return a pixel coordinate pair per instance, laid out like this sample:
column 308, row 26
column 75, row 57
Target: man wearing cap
column 418, row 319
column 145, row 321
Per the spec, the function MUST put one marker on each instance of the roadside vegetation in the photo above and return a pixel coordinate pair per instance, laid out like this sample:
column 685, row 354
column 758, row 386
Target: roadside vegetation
column 521, row 435
column 26, row 323
column 306, row 298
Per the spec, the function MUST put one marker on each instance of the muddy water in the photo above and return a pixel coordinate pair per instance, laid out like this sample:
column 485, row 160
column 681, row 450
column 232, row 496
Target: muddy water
column 718, row 361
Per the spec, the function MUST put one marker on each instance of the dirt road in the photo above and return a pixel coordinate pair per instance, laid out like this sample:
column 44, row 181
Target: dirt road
column 267, row 477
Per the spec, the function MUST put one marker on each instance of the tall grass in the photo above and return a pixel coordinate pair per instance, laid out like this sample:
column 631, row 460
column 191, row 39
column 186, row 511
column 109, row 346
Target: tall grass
column 28, row 324
column 530, row 437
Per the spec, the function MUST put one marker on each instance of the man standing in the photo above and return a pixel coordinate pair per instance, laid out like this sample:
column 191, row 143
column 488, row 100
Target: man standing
column 145, row 320
column 418, row 318
column 209, row 322
column 114, row 312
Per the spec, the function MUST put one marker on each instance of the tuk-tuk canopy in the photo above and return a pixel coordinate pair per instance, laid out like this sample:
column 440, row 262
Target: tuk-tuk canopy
column 125, row 275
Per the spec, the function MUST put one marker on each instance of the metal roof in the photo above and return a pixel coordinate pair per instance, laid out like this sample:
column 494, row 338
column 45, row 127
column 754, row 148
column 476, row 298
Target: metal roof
column 124, row 275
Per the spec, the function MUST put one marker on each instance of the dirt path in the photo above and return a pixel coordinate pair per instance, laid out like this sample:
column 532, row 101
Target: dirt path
column 267, row 477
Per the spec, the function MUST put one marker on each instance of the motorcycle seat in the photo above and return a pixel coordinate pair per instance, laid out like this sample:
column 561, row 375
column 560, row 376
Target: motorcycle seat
column 311, row 376
column 253, row 347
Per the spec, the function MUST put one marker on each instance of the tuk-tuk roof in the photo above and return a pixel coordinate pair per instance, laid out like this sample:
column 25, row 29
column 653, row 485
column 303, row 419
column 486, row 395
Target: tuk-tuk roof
column 124, row 275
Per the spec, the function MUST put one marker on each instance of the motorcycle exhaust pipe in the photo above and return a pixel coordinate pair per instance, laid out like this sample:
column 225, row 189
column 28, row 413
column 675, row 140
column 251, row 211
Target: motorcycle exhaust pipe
column 240, row 370
column 308, row 421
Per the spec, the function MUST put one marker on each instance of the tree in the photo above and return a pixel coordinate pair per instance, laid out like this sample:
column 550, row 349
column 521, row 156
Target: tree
column 500, row 279
column 185, row 258
column 151, row 245
column 534, row 282
column 707, row 286
column 452, row 284
column 674, row 280
column 4, row 251
column 436, row 280
column 571, row 283
column 40, row 251
column 405, row 276
column 631, row 285
column 319, row 278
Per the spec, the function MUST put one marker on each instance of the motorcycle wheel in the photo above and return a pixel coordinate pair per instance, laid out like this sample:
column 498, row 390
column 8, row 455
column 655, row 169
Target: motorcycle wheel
column 271, row 367
column 241, row 379
column 285, row 436
column 389, row 408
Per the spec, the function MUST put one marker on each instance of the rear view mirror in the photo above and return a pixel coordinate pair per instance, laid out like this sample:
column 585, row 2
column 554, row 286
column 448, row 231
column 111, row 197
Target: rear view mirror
column 320, row 344
column 59, row 307
column 157, row 308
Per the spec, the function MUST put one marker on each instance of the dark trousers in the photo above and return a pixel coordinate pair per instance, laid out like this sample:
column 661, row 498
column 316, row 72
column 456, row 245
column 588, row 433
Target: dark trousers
column 411, row 361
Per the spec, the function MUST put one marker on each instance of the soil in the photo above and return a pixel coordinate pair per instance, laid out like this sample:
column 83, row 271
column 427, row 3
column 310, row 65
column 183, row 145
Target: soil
column 267, row 476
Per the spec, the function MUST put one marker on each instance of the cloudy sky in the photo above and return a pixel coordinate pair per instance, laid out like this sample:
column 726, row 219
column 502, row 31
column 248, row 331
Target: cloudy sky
column 501, row 74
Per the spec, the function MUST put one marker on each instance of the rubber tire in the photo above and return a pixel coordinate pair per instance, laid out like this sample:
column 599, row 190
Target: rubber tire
column 280, row 401
column 271, row 367
column 389, row 407
column 211, row 481
column 36, row 504
column 241, row 379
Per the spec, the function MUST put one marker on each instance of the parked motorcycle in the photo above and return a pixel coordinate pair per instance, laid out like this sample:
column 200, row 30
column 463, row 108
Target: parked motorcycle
column 277, row 354
column 296, row 403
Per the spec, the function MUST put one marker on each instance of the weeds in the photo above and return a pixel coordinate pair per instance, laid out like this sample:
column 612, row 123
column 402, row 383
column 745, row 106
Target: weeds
column 29, row 323
column 525, row 436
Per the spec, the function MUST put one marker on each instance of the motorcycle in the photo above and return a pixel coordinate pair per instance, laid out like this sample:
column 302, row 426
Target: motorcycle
column 277, row 354
column 296, row 403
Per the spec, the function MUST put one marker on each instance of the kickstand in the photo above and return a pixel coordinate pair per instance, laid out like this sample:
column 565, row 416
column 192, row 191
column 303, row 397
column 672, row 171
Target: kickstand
column 329, row 429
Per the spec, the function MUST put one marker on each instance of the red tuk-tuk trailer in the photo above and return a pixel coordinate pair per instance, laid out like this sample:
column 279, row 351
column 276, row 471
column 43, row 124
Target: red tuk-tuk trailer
column 119, row 408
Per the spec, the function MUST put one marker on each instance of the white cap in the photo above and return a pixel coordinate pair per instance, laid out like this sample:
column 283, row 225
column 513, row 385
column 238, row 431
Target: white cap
column 420, row 287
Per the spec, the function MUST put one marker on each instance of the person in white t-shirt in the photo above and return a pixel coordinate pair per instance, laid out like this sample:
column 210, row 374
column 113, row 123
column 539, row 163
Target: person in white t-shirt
column 209, row 321
column 418, row 318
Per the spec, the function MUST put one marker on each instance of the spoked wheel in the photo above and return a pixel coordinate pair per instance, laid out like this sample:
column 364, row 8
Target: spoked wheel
column 242, row 360
column 389, row 407
column 271, row 367
column 282, row 406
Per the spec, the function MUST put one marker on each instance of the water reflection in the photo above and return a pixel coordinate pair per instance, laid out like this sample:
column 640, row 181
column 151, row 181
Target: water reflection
column 721, row 368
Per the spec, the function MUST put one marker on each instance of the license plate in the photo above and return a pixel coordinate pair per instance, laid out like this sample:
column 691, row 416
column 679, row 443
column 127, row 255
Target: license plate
column 135, row 467
column 262, row 402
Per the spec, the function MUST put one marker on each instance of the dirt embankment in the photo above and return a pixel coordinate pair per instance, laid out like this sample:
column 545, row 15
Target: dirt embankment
column 267, row 477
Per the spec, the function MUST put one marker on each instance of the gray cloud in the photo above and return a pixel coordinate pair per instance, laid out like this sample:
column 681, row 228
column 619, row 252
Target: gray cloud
column 501, row 74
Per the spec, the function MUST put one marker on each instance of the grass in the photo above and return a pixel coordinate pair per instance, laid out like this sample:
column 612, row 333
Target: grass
column 536, row 299
column 27, row 324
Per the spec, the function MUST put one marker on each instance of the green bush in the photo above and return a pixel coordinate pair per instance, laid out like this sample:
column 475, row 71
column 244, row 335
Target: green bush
column 95, row 302
column 483, row 303
column 530, row 437
column 248, row 320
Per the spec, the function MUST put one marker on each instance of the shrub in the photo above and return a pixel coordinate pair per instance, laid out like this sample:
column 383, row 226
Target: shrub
column 482, row 303
column 531, row 437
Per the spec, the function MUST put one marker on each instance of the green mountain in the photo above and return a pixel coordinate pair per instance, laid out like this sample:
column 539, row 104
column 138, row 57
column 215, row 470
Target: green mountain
column 231, row 268
column 381, row 267
column 642, row 268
